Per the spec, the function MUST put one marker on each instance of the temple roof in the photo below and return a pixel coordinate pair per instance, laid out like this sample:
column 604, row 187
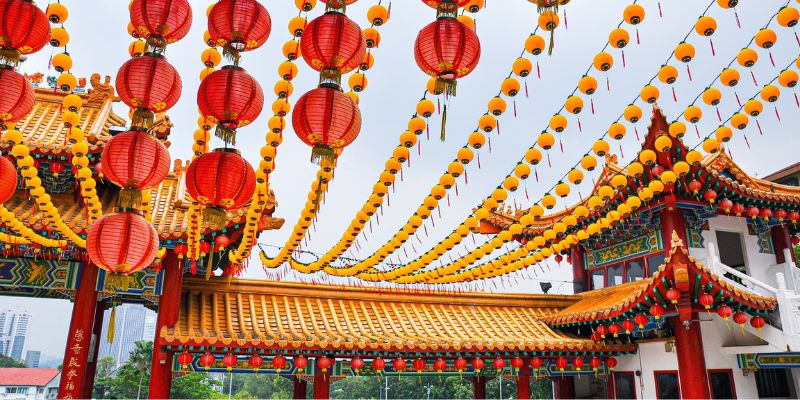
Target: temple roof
column 249, row 313
column 608, row 303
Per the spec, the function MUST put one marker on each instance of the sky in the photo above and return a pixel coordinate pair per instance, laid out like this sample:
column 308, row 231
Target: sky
column 99, row 43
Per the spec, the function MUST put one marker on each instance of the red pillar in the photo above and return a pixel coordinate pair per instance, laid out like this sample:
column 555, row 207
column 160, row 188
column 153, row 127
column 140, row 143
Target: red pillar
column 524, row 381
column 672, row 221
column 479, row 387
column 73, row 374
column 781, row 239
column 691, row 360
column 168, row 307
column 611, row 386
column 299, row 388
column 91, row 368
column 580, row 277
column 564, row 387
column 322, row 384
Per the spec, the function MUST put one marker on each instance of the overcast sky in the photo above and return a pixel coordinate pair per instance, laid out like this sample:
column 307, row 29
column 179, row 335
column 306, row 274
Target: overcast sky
column 99, row 43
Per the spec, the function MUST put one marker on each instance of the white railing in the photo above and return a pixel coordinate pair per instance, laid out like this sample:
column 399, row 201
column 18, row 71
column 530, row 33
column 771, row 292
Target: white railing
column 788, row 306
column 748, row 282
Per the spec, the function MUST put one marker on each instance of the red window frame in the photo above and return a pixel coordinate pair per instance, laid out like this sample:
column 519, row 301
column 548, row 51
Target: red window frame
column 722, row 370
column 667, row 371
column 643, row 258
column 614, row 382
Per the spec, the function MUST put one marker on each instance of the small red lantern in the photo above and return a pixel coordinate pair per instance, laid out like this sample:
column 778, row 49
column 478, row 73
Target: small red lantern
column 418, row 365
column 578, row 363
column 738, row 209
column 595, row 337
column 8, row 179
column 706, row 300
column 122, row 243
column 180, row 250
column 378, row 364
column 780, row 214
column 614, row 329
column 398, row 364
column 56, row 168
column 229, row 361
column 447, row 50
column 795, row 240
column 757, row 322
column 204, row 248
column 499, row 364
column 611, row 363
column 710, row 196
column 695, row 186
column 221, row 242
column 595, row 363
column 439, row 365
column 328, row 120
column 357, row 364
column 478, row 364
column 231, row 99
column 135, row 161
column 29, row 31
column 460, row 364
column 561, row 363
column 724, row 312
column 184, row 359
column 765, row 214
column 794, row 216
column 279, row 363
column 602, row 330
column 255, row 361
column 740, row 318
column 300, row 363
column 628, row 326
column 517, row 363
column 558, row 258
column 324, row 363
column 207, row 360
column 334, row 44
column 656, row 311
column 220, row 180
column 753, row 212
column 18, row 96
column 726, row 205
column 239, row 25
column 149, row 85
column 673, row 295
column 161, row 21
column 536, row 363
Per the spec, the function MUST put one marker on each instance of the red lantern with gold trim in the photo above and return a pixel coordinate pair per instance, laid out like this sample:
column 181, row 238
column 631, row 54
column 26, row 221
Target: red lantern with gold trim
column 656, row 311
column 184, row 359
column 561, row 363
column 122, row 243
column 724, row 312
column 230, row 98
column 357, row 364
column 378, row 365
column 460, row 364
column 439, row 365
column 255, row 361
column 238, row 25
column 207, row 360
column 757, row 322
column 229, row 361
column 334, row 44
column 324, row 363
column 418, row 365
column 26, row 32
column 279, row 363
column 17, row 99
column 673, row 295
column 517, row 363
column 611, row 363
column 134, row 161
column 220, row 180
column 740, row 318
column 628, row 326
column 161, row 21
column 706, row 300
column 300, row 363
column 328, row 120
column 447, row 50
column 149, row 85
column 398, row 364
column 640, row 320
column 499, row 364
column 726, row 205
column 595, row 363
column 614, row 329
column 478, row 364
column 602, row 330
column 8, row 179
column 536, row 363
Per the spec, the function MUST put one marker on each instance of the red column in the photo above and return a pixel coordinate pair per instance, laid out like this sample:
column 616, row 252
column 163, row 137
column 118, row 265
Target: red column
column 564, row 387
column 322, row 384
column 479, row 387
column 672, row 221
column 691, row 360
column 168, row 307
column 73, row 374
column 524, row 381
column 781, row 239
column 580, row 277
column 91, row 368
column 611, row 386
column 299, row 388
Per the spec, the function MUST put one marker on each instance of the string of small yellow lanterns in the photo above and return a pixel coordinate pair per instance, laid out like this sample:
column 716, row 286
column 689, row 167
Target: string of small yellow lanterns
column 28, row 235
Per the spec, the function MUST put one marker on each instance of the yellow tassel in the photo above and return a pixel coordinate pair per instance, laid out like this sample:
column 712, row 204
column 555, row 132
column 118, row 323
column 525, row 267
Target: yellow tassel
column 111, row 323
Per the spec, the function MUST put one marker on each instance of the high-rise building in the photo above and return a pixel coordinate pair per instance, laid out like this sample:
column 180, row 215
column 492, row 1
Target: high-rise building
column 32, row 358
column 129, row 328
column 13, row 332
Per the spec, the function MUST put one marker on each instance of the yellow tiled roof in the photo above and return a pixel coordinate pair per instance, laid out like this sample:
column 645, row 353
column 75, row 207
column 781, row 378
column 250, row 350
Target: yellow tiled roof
column 306, row 317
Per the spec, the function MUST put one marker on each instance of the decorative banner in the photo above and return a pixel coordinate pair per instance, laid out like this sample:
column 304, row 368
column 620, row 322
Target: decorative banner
column 146, row 283
column 27, row 273
column 756, row 361
column 638, row 246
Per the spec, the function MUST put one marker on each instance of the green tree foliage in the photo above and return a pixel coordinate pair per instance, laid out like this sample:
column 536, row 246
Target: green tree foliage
column 411, row 387
column 196, row 385
column 8, row 362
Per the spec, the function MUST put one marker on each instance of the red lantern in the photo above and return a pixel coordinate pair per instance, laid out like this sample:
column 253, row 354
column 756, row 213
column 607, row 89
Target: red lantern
column 724, row 312
column 27, row 29
column 757, row 322
column 333, row 44
column 205, row 247
column 499, row 364
column 161, row 21
column 602, row 330
column 8, row 179
column 18, row 96
column 558, row 258
column 478, row 364
column 740, row 318
column 673, row 295
column 239, row 25
column 229, row 361
column 230, row 98
column 794, row 216
column 221, row 242
column 398, row 364
column 435, row 3
column 356, row 364
column 220, row 180
column 765, row 214
column 134, row 161
column 378, row 364
column 595, row 363
column 460, row 364
column 640, row 320
column 738, row 209
column 122, row 243
column 517, row 363
column 447, row 50
column 184, row 359
column 706, row 300
column 207, row 360
column 753, row 212
column 324, row 363
column 726, row 205
column 56, row 168
column 614, row 329
column 780, row 214
column 656, row 311
column 255, row 361
column 439, row 365
column 180, row 250
column 628, row 326
column 611, row 363
column 279, row 363
column 795, row 240
column 418, row 365
column 300, row 363
column 695, row 186
column 327, row 120
column 595, row 337
column 149, row 85
column 710, row 196
column 578, row 363
column 536, row 363
column 561, row 363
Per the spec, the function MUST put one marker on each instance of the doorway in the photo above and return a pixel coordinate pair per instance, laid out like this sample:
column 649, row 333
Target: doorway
column 731, row 252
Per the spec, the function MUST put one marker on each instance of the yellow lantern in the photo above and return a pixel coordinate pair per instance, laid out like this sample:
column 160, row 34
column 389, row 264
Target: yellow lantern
column 455, row 168
column 647, row 157
column 476, row 140
column 747, row 57
column 497, row 105
column 534, row 44
column 635, row 169
column 536, row 211
column 72, row 102
column 522, row 171
column 668, row 74
column 694, row 157
column 729, row 77
column 712, row 96
column 753, row 107
column 618, row 38
column 600, row 147
column 595, row 202
column 290, row 49
column 287, row 70
column 603, row 61
column 549, row 234
column 558, row 123
column 788, row 16
column 770, row 93
column 467, row 20
column 681, row 168
column 66, row 82
column 766, row 38
column 438, row 192
column 62, row 61
column 739, row 121
column 408, row 139
column 605, row 192
column 487, row 122
column 619, row 181
column 587, row 85
column 632, row 113
column 377, row 14
column 668, row 177
column 511, row 184
column 548, row 20
column 392, row 165
column 656, row 186
column 616, row 130
column 788, row 78
column 372, row 37
column 649, row 94
column 705, row 26
column 283, row 88
column 574, row 104
column 562, row 189
column 546, row 140
column 693, row 114
column 296, row 26
column 723, row 134
column 710, row 146
column 522, row 67
column 645, row 194
column 588, row 162
column 581, row 212
column 549, row 201
column 510, row 86
column 663, row 143
column 582, row 235
column 633, row 202
column 417, row 125
column 430, row 203
column 59, row 37
column 357, row 82
column 533, row 156
column 684, row 52
column 575, row 176
column 57, row 13
column 677, row 129
column 447, row 181
column 425, row 107
column 633, row 14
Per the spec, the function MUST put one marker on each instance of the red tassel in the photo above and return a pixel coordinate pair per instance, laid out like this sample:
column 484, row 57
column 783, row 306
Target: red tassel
column 697, row 131
column 623, row 59
column 754, row 77
column 621, row 154
column 591, row 103
column 760, row 132
column 514, row 102
column 713, row 52
column 479, row 160
column 466, row 178
column 438, row 106
column 490, row 144
column 777, row 114
column 536, row 173
column 689, row 72
column 738, row 23
column 796, row 100
column 747, row 141
column 608, row 84
column 638, row 41
column 427, row 132
column 561, row 144
column 419, row 148
column 636, row 130
column 797, row 39
column 539, row 73
column 580, row 128
column 526, row 88
column 448, row 199
column 548, row 160
column 526, row 193
column 660, row 14
column 498, row 127
column 735, row 93
column 566, row 25
column 718, row 115
column 674, row 96
column 771, row 59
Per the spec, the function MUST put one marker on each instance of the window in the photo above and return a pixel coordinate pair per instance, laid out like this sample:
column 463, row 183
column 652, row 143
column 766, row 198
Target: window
column 598, row 278
column 634, row 270
column 655, row 261
column 667, row 385
column 614, row 275
column 774, row 383
column 721, row 381
column 17, row 389
column 624, row 385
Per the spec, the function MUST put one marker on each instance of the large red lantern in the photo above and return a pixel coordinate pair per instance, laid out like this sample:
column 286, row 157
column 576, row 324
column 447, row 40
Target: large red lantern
column 517, row 363
column 333, row 44
column 149, row 85
column 239, row 25
column 738, row 209
column 17, row 99
column 184, row 359
column 357, row 364
column 673, row 295
column 328, row 120
column 25, row 30
column 724, row 312
column 578, row 363
column 595, row 363
column 753, row 212
column 726, row 205
column 161, row 21
column 765, row 214
column 230, row 98
column 460, row 364
column 499, row 364
column 536, row 363
column 602, row 330
column 640, row 320
column 8, row 179
column 134, row 161
column 122, row 243
column 614, row 329
column 780, row 214
column 710, row 196
column 611, row 363
column 324, row 363
column 706, row 300
column 695, row 186
column 793, row 217
column 447, row 50
column 220, row 180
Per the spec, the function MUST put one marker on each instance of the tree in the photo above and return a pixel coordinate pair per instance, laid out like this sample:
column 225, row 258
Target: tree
column 265, row 386
column 8, row 362
column 195, row 385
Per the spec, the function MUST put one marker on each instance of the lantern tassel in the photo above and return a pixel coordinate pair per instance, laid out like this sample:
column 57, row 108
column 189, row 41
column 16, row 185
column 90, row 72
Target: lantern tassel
column 323, row 155
column 231, row 53
column 443, row 131
column 143, row 117
column 215, row 217
column 129, row 198
column 111, row 323
column 445, row 86
column 228, row 135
